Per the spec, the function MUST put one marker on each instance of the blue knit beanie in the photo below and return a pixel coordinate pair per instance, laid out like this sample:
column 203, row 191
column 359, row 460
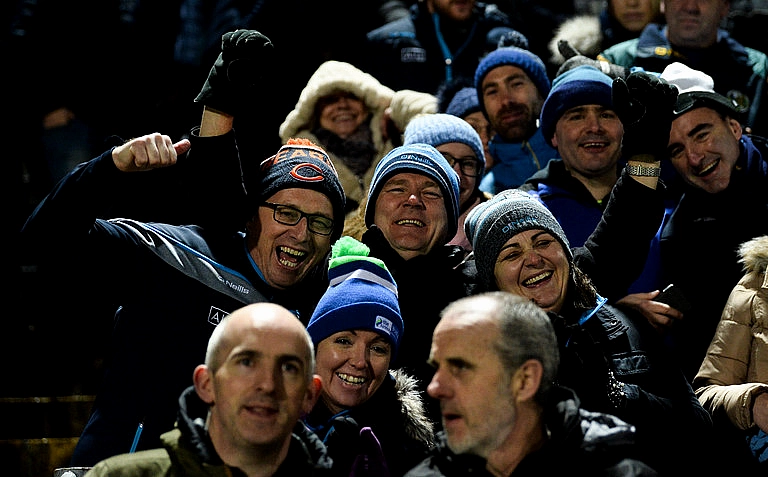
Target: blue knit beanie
column 512, row 55
column 422, row 159
column 302, row 165
column 582, row 85
column 440, row 128
column 489, row 225
column 464, row 103
column 362, row 295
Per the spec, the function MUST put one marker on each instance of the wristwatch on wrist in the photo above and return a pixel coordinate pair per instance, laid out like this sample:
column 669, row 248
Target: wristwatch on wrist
column 644, row 171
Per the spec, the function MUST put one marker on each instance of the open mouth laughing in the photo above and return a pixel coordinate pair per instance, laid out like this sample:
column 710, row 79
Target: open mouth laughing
column 535, row 280
column 349, row 379
column 290, row 257
column 413, row 222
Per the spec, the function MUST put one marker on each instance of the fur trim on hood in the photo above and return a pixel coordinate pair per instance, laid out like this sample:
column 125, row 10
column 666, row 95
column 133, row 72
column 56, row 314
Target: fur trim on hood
column 754, row 254
column 330, row 77
column 583, row 32
column 419, row 426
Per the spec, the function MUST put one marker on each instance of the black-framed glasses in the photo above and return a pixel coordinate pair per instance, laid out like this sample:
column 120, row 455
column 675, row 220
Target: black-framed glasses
column 469, row 166
column 287, row 215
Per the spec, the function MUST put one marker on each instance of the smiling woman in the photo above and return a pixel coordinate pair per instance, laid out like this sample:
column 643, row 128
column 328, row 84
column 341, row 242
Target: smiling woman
column 610, row 356
column 356, row 329
column 355, row 118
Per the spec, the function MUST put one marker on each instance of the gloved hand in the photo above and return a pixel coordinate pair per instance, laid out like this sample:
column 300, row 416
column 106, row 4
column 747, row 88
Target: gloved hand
column 370, row 462
column 246, row 58
column 644, row 102
column 574, row 58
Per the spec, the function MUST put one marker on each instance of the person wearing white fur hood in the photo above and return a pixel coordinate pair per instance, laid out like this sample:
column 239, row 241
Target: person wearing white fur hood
column 619, row 20
column 356, row 119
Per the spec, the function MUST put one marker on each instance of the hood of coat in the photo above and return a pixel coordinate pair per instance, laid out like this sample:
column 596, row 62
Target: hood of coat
column 753, row 254
column 330, row 77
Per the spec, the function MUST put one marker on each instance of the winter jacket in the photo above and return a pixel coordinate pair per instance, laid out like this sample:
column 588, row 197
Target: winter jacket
column 735, row 368
column 738, row 71
column 659, row 401
column 187, row 451
column 336, row 76
column 515, row 162
column 397, row 417
column 168, row 286
column 580, row 443
column 421, row 52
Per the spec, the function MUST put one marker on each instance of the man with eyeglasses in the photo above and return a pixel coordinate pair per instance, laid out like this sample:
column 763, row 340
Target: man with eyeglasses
column 172, row 284
column 463, row 148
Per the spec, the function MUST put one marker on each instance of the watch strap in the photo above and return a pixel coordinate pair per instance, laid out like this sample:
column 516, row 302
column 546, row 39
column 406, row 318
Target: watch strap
column 644, row 171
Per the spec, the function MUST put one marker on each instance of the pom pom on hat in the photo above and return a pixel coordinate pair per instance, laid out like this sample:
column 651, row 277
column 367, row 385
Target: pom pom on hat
column 519, row 57
column 697, row 89
column 506, row 214
column 362, row 295
column 500, row 37
column 418, row 158
column 302, row 164
column 464, row 103
column 576, row 87
column 440, row 128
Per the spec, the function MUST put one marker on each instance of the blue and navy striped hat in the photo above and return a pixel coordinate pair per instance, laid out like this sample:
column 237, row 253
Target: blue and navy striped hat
column 362, row 295
column 417, row 158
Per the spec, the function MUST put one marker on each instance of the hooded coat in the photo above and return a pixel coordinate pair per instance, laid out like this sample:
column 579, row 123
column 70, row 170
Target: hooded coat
column 396, row 416
column 337, row 76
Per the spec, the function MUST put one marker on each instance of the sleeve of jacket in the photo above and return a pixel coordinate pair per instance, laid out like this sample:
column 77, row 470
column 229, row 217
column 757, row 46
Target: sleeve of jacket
column 721, row 383
column 407, row 103
column 615, row 253
column 215, row 187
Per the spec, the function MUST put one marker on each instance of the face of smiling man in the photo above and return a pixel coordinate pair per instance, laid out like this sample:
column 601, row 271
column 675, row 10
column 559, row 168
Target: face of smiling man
column 410, row 212
column 703, row 148
column 286, row 254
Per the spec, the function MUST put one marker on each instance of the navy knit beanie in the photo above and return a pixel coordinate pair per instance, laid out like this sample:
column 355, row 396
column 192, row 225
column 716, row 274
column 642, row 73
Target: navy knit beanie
column 422, row 159
column 440, row 128
column 302, row 165
column 489, row 225
column 362, row 295
column 464, row 103
column 582, row 85
column 512, row 55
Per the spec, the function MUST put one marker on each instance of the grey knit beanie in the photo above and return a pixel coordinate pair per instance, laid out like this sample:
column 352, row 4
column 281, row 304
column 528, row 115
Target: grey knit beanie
column 489, row 225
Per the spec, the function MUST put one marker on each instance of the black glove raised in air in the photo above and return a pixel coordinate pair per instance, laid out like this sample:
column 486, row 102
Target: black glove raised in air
column 246, row 57
column 644, row 103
